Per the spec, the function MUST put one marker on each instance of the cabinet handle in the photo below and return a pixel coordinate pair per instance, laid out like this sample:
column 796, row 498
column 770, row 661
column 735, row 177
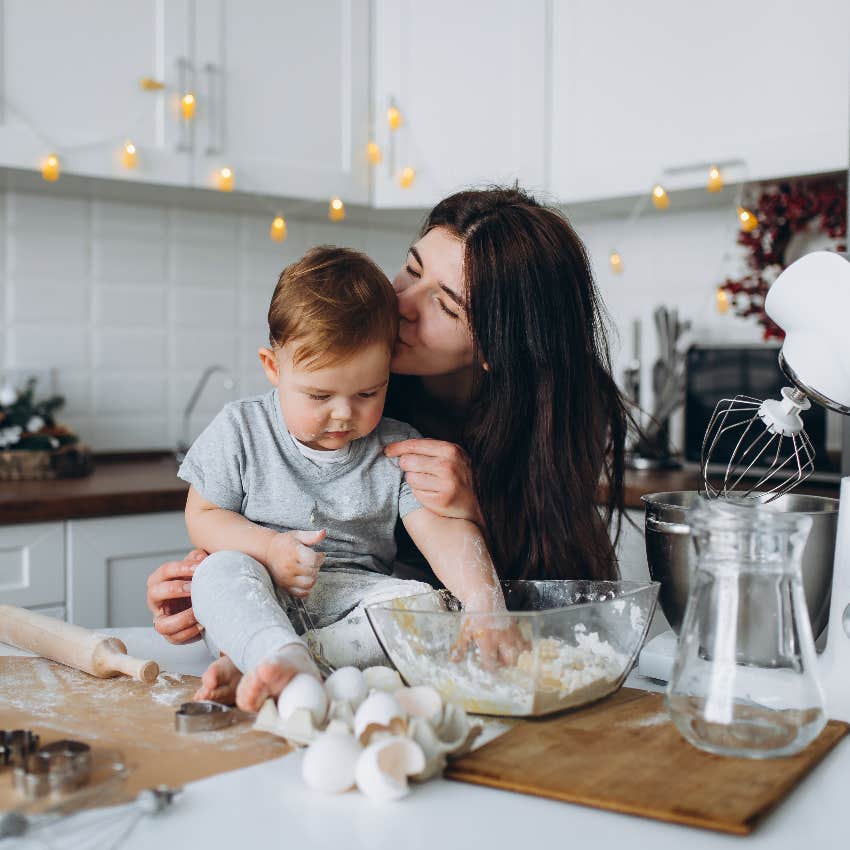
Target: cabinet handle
column 215, row 109
column 185, row 83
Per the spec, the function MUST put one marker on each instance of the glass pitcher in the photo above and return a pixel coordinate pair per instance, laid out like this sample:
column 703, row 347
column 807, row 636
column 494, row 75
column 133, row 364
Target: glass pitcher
column 744, row 681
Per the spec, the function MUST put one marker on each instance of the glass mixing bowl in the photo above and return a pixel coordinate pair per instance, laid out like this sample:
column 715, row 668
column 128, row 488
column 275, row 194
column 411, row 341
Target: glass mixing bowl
column 574, row 642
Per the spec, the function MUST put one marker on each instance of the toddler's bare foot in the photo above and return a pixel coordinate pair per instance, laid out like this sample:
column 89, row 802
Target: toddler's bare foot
column 219, row 682
column 270, row 677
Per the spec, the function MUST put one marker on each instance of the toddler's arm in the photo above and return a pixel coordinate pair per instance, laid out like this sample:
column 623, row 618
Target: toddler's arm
column 287, row 556
column 457, row 553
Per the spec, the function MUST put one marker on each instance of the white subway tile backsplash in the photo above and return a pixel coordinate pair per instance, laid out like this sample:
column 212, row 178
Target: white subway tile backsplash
column 75, row 387
column 120, row 393
column 195, row 349
column 128, row 259
column 130, row 349
column 254, row 308
column 44, row 300
column 130, row 306
column 198, row 306
column 111, row 217
column 124, row 433
column 205, row 262
column 43, row 345
column 46, row 214
column 63, row 256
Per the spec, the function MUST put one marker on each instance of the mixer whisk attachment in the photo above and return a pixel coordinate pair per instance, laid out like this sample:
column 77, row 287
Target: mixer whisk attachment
column 768, row 450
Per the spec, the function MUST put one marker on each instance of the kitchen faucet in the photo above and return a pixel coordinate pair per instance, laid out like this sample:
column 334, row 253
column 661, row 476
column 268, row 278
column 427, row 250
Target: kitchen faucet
column 228, row 383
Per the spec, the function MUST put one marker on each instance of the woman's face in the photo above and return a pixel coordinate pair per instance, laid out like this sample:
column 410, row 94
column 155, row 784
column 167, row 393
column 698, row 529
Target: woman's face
column 433, row 336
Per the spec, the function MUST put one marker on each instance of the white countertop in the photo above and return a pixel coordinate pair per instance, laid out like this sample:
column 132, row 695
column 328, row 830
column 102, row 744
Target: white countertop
column 268, row 806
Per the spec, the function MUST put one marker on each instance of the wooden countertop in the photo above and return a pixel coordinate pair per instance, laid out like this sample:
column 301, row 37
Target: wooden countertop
column 149, row 483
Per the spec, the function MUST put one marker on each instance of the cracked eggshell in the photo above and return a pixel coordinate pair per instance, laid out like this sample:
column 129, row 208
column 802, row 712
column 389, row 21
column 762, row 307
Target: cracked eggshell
column 304, row 691
column 383, row 768
column 421, row 701
column 382, row 679
column 330, row 762
column 380, row 710
column 348, row 684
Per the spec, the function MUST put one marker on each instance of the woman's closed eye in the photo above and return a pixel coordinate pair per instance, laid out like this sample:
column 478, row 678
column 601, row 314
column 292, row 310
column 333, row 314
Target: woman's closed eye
column 444, row 308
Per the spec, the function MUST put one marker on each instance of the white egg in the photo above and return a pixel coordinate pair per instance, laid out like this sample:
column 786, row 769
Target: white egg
column 379, row 709
column 383, row 768
column 348, row 684
column 304, row 691
column 421, row 701
column 330, row 762
column 383, row 679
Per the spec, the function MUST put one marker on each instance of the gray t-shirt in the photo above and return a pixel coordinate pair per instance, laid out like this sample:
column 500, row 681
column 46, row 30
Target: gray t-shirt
column 245, row 461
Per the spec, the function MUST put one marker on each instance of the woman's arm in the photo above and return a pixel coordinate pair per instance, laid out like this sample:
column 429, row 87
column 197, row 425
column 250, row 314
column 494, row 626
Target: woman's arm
column 440, row 475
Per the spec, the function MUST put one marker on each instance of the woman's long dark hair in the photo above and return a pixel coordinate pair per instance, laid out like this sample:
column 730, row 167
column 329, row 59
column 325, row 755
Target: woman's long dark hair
column 547, row 421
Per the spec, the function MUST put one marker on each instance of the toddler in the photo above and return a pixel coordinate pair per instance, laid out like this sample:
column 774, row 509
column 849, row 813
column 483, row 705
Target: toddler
column 292, row 494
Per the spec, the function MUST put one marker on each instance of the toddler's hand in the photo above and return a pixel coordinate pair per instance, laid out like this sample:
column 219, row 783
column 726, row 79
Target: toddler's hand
column 292, row 564
column 497, row 637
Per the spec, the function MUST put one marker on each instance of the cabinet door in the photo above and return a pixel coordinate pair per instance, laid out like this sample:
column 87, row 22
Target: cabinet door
column 283, row 96
column 641, row 87
column 468, row 79
column 109, row 561
column 71, row 86
column 32, row 564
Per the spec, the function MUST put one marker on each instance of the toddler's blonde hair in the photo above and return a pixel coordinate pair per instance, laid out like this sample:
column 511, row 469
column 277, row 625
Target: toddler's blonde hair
column 332, row 302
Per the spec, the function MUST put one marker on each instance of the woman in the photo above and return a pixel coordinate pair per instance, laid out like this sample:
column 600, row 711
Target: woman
column 502, row 362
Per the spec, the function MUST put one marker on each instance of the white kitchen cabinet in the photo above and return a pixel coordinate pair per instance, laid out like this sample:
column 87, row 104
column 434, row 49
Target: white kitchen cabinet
column 71, row 86
column 283, row 96
column 640, row 87
column 469, row 80
column 32, row 564
column 109, row 561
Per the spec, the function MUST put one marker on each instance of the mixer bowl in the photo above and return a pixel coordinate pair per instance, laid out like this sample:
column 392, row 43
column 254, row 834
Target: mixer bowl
column 671, row 555
column 577, row 642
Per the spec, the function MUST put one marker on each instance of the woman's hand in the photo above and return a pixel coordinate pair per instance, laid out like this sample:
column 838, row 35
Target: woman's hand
column 170, row 598
column 440, row 476
column 292, row 564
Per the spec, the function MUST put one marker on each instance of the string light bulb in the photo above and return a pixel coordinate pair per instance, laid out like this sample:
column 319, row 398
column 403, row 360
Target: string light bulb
column 715, row 180
column 374, row 153
column 278, row 229
column 187, row 106
column 129, row 155
column 406, row 178
column 722, row 300
column 747, row 220
column 394, row 118
column 224, row 179
column 50, row 168
column 336, row 209
column 660, row 199
column 616, row 262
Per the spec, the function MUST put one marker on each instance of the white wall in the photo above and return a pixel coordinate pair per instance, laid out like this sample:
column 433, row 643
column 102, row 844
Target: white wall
column 124, row 305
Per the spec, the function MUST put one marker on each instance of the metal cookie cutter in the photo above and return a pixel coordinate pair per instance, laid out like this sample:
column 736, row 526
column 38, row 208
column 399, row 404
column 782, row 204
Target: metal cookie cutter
column 59, row 767
column 205, row 716
column 16, row 746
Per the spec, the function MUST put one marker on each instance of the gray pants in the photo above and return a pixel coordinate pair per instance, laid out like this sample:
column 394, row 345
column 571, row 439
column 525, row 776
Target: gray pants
column 247, row 617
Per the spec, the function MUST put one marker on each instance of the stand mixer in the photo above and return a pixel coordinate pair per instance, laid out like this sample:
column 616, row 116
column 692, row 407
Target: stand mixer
column 810, row 301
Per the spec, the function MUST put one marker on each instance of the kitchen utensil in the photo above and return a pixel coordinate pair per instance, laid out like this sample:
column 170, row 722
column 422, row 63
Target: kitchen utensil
column 624, row 755
column 743, row 691
column 60, row 767
column 206, row 716
column 672, row 560
column 96, row 654
column 810, row 301
column 16, row 746
column 308, row 628
column 580, row 642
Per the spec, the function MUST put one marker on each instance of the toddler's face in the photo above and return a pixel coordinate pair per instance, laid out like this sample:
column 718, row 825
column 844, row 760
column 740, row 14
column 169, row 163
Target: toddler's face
column 328, row 408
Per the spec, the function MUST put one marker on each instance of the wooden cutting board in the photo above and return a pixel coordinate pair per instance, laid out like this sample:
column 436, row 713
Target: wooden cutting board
column 625, row 755
column 126, row 715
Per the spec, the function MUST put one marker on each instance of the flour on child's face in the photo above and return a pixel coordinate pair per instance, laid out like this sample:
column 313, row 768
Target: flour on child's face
column 328, row 408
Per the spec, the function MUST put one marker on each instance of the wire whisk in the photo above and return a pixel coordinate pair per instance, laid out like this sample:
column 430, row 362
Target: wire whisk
column 769, row 451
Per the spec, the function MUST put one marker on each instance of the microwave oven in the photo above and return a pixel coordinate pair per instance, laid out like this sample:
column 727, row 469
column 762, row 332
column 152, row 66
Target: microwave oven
column 718, row 371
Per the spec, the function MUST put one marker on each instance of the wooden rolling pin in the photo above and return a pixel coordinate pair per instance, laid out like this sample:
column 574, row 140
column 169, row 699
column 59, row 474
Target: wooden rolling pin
column 100, row 655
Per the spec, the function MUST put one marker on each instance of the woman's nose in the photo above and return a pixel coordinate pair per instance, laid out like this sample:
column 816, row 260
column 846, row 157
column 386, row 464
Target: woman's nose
column 407, row 303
